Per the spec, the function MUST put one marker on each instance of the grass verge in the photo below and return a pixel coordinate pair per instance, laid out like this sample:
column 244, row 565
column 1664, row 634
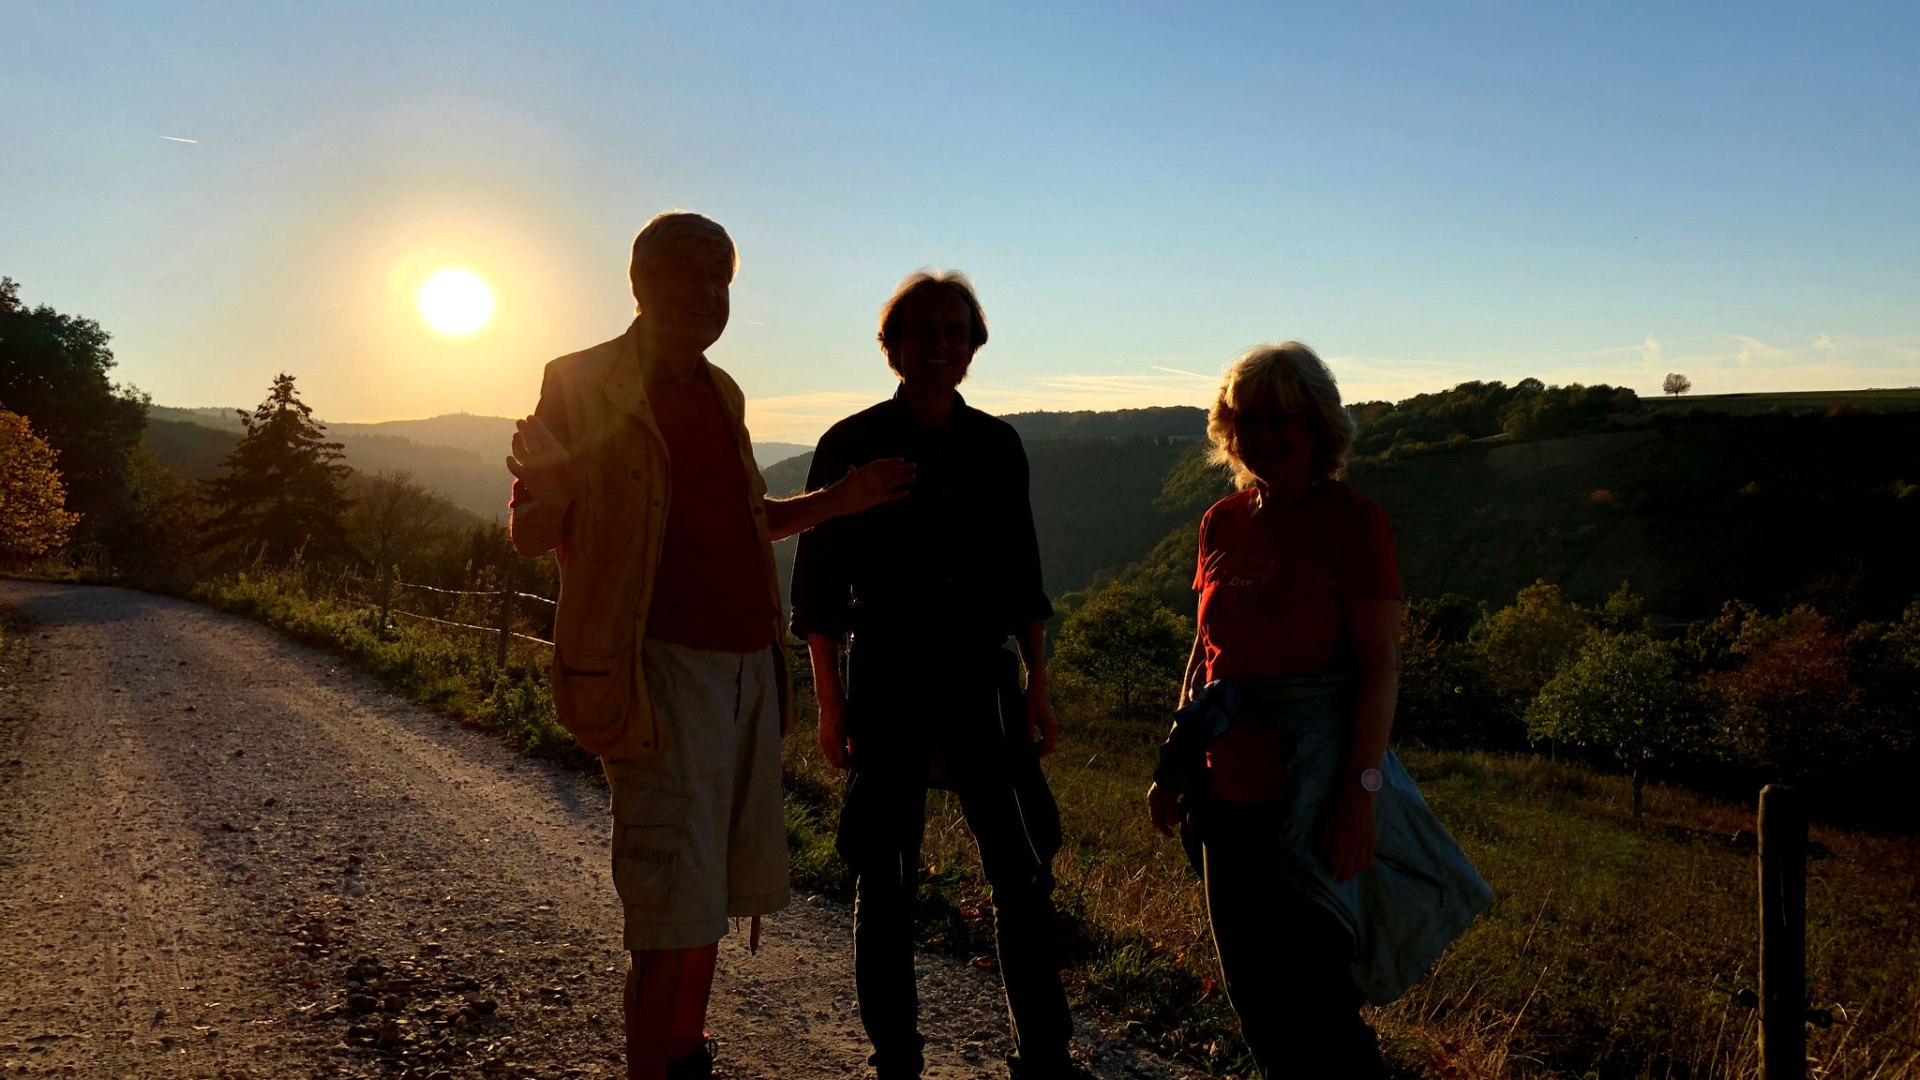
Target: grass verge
column 1615, row 948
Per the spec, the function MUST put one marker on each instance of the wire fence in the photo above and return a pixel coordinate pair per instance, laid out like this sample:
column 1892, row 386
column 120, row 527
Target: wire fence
column 494, row 611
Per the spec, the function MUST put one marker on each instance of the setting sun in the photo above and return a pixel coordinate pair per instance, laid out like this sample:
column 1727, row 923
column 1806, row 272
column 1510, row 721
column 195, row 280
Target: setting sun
column 456, row 301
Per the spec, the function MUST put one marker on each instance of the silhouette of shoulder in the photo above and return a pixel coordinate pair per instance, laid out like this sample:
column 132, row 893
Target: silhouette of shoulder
column 858, row 425
column 587, row 362
column 1335, row 504
column 1352, row 510
column 992, row 429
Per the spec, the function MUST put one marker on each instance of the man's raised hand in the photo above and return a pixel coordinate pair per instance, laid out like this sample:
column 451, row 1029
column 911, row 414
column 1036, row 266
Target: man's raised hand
column 540, row 462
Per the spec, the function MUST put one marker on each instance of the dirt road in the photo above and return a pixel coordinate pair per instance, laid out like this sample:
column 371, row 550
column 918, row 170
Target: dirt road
column 225, row 855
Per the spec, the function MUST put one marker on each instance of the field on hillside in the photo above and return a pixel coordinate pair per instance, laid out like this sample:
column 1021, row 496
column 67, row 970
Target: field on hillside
column 1614, row 949
column 1771, row 510
column 1886, row 400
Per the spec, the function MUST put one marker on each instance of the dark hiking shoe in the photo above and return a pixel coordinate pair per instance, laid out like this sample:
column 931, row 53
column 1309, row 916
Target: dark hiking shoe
column 695, row 1066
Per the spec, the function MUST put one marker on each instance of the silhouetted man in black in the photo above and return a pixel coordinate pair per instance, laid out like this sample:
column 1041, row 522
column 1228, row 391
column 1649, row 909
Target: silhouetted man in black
column 927, row 590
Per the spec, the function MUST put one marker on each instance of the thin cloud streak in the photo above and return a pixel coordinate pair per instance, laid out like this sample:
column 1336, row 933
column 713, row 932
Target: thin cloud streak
column 176, row 138
column 1740, row 363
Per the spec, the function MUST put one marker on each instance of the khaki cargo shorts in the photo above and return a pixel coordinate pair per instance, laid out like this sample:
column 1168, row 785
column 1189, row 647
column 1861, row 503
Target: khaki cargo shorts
column 698, row 832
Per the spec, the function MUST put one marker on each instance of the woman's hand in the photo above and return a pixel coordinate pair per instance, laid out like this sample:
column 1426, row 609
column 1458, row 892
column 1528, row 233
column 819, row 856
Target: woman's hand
column 1167, row 808
column 1346, row 836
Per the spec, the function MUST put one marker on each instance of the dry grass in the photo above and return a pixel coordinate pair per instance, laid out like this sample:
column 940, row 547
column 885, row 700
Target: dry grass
column 1614, row 949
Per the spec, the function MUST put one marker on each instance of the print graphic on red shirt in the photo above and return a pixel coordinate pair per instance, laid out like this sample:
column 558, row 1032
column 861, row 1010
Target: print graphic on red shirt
column 1272, row 584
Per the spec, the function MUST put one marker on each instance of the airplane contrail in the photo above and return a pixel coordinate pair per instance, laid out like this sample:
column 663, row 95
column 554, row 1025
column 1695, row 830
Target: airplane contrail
column 1177, row 371
column 176, row 138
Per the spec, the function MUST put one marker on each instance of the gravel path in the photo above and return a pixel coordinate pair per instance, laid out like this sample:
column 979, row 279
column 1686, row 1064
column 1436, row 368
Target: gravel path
column 226, row 855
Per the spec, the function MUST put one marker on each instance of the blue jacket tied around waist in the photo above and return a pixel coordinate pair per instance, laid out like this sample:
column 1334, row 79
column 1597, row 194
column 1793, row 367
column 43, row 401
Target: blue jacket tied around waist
column 1420, row 892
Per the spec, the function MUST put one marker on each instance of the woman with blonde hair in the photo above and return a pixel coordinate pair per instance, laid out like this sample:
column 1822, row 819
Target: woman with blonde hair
column 1328, row 881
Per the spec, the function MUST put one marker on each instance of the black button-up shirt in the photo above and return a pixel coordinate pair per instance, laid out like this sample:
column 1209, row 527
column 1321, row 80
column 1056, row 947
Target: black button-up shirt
column 953, row 565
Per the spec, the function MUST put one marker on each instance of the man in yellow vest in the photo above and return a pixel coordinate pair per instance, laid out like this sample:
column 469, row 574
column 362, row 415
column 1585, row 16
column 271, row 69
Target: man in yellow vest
column 636, row 470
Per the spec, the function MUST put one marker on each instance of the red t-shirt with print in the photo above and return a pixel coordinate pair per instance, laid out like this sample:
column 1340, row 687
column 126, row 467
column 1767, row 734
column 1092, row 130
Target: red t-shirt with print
column 1273, row 588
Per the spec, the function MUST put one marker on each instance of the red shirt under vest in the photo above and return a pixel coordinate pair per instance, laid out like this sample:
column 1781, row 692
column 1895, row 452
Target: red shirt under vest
column 710, row 590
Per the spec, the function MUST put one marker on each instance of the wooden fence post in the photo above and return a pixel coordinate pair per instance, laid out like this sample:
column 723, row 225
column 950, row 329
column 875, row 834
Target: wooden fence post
column 387, row 574
column 1783, row 934
column 506, row 615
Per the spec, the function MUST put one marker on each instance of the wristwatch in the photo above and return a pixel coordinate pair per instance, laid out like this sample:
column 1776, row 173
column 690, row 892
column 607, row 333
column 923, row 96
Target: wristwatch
column 1371, row 780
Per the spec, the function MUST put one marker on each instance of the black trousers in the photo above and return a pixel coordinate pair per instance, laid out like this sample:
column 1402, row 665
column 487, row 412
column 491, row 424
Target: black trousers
column 967, row 718
column 1285, row 960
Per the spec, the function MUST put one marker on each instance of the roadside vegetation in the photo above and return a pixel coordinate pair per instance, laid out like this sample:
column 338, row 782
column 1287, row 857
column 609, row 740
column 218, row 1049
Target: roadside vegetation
column 1617, row 948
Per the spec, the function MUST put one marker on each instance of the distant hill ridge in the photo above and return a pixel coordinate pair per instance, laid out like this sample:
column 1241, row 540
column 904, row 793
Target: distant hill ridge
column 1159, row 422
column 1779, row 499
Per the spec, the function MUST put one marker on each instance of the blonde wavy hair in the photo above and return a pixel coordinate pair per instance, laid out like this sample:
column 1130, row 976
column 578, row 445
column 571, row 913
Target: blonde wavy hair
column 1293, row 376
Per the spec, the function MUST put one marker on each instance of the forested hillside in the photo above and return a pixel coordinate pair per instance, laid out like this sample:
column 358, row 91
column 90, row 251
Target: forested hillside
column 1692, row 508
column 1094, row 481
column 458, row 455
column 1779, row 499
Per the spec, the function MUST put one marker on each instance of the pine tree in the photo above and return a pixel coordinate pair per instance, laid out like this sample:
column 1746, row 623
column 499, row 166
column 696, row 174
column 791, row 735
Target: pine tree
column 283, row 486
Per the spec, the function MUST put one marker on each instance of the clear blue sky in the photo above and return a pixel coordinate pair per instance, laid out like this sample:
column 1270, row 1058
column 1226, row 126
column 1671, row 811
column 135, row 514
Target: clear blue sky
column 1425, row 192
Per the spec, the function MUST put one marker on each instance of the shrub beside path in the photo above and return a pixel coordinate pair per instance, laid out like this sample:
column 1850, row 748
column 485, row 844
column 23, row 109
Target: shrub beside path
column 226, row 855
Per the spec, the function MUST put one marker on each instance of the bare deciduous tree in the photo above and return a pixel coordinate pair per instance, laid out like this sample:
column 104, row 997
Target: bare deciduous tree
column 392, row 515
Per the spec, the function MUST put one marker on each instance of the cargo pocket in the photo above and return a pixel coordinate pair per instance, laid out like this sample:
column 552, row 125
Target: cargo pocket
column 591, row 697
column 649, row 827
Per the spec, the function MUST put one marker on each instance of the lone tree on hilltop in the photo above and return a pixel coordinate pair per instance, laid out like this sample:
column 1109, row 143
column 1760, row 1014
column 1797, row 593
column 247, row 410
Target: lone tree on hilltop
column 1676, row 384
column 33, row 517
column 283, row 486
column 1127, row 643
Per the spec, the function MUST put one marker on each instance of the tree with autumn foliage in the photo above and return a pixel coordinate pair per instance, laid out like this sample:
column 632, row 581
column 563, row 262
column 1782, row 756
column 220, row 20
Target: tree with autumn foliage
column 283, row 489
column 34, row 520
column 1789, row 708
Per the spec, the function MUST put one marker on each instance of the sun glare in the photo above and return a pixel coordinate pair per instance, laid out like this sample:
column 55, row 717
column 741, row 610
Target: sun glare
column 456, row 301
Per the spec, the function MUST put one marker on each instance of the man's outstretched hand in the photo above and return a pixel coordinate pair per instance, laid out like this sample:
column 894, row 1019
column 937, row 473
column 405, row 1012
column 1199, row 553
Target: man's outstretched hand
column 540, row 463
column 871, row 484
